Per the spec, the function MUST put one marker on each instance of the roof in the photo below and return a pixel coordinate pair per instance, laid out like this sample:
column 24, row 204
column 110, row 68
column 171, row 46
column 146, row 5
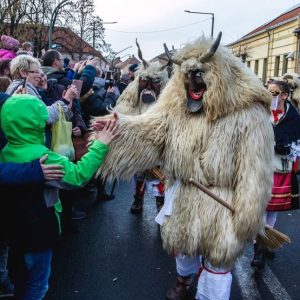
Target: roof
column 129, row 61
column 69, row 41
column 285, row 17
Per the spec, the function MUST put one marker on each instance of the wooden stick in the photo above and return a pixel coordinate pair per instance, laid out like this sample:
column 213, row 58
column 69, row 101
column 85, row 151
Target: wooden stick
column 143, row 186
column 271, row 239
column 212, row 195
column 157, row 174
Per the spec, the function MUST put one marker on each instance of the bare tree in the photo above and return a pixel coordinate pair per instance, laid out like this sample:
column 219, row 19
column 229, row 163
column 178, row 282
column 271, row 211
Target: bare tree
column 29, row 20
column 89, row 27
column 37, row 18
column 11, row 13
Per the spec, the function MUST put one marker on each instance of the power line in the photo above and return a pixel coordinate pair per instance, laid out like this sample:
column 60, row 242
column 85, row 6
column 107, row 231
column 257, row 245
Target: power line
column 155, row 31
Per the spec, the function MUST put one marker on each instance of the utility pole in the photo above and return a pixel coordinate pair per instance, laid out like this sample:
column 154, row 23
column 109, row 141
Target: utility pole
column 94, row 34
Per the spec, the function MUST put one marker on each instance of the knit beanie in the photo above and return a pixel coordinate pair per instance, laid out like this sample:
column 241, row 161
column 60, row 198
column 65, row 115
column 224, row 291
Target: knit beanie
column 9, row 42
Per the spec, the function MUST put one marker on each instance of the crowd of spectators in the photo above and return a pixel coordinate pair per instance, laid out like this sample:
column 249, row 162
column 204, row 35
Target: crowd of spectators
column 52, row 79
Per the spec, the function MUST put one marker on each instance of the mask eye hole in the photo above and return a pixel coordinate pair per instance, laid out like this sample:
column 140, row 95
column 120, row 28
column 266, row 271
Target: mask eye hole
column 195, row 73
column 156, row 81
column 198, row 73
column 146, row 79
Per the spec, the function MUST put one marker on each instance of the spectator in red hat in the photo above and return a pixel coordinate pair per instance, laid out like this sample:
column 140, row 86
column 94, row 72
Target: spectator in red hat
column 9, row 49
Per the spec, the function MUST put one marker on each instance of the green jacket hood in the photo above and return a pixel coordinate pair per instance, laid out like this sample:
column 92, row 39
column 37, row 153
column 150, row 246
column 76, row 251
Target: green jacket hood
column 23, row 120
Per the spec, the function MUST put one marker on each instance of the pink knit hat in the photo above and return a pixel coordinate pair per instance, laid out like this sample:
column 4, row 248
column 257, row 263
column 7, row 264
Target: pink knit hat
column 9, row 42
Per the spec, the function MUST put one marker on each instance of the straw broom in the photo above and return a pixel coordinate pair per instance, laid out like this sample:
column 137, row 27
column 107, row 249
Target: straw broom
column 271, row 238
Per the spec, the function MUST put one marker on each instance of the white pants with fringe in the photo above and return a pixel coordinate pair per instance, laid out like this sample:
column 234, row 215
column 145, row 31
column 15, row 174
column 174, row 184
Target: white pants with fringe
column 213, row 283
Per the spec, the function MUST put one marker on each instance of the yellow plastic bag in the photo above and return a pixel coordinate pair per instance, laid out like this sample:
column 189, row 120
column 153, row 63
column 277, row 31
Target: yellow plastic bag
column 62, row 136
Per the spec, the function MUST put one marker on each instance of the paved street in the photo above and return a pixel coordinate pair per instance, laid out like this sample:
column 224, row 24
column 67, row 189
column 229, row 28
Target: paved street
column 118, row 255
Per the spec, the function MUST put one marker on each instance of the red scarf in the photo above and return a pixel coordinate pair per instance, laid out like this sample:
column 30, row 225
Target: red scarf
column 276, row 113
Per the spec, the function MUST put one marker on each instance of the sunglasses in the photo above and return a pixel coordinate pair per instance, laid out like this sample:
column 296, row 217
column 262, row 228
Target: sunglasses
column 275, row 93
column 33, row 72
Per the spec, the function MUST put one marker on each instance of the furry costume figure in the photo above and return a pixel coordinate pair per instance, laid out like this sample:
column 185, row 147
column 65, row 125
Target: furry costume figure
column 293, row 81
column 130, row 102
column 227, row 146
column 142, row 93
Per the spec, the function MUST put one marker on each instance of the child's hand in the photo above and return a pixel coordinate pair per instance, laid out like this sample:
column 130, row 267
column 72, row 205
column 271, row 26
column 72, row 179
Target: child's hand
column 101, row 122
column 108, row 133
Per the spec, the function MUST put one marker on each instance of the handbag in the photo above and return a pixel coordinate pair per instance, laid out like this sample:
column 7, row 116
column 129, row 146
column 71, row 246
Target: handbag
column 62, row 136
column 81, row 145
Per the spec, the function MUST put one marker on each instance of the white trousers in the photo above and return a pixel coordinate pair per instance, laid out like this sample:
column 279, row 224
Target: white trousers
column 213, row 283
column 150, row 185
column 270, row 218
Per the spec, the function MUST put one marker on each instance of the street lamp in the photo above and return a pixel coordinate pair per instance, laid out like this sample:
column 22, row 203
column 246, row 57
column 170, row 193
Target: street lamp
column 122, row 50
column 125, row 55
column 53, row 19
column 94, row 30
column 204, row 13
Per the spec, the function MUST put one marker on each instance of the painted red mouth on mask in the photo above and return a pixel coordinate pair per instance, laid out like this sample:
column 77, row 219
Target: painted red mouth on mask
column 197, row 96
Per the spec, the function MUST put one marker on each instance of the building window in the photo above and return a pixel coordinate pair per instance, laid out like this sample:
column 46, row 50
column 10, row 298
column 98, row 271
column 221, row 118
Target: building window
column 276, row 67
column 243, row 57
column 265, row 68
column 256, row 67
column 249, row 64
column 284, row 64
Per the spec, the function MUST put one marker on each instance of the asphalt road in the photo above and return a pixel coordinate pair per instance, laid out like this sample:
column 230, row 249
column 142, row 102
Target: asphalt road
column 118, row 255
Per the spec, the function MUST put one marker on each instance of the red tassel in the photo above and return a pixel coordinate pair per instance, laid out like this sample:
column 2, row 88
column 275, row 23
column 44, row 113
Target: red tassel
column 296, row 166
column 161, row 187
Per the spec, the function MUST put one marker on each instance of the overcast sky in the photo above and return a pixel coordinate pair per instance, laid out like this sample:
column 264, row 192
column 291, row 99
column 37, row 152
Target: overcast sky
column 164, row 21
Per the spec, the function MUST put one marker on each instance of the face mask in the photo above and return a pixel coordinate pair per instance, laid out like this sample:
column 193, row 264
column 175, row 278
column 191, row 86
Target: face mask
column 274, row 103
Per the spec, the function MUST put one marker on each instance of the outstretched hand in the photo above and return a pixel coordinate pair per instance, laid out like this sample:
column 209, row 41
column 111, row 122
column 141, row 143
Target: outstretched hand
column 108, row 133
column 51, row 172
column 99, row 124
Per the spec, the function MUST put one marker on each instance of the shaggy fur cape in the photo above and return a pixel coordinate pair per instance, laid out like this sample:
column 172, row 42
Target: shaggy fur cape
column 228, row 148
column 294, row 83
column 128, row 103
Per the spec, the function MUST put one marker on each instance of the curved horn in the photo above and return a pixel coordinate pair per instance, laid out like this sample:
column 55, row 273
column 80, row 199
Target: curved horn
column 166, row 66
column 177, row 62
column 165, row 59
column 141, row 55
column 212, row 50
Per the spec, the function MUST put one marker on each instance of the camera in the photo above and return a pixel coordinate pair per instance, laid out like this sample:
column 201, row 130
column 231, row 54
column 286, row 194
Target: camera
column 109, row 82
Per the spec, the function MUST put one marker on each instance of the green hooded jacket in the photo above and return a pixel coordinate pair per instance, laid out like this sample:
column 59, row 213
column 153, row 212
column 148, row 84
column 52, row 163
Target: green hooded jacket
column 23, row 121
column 28, row 216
